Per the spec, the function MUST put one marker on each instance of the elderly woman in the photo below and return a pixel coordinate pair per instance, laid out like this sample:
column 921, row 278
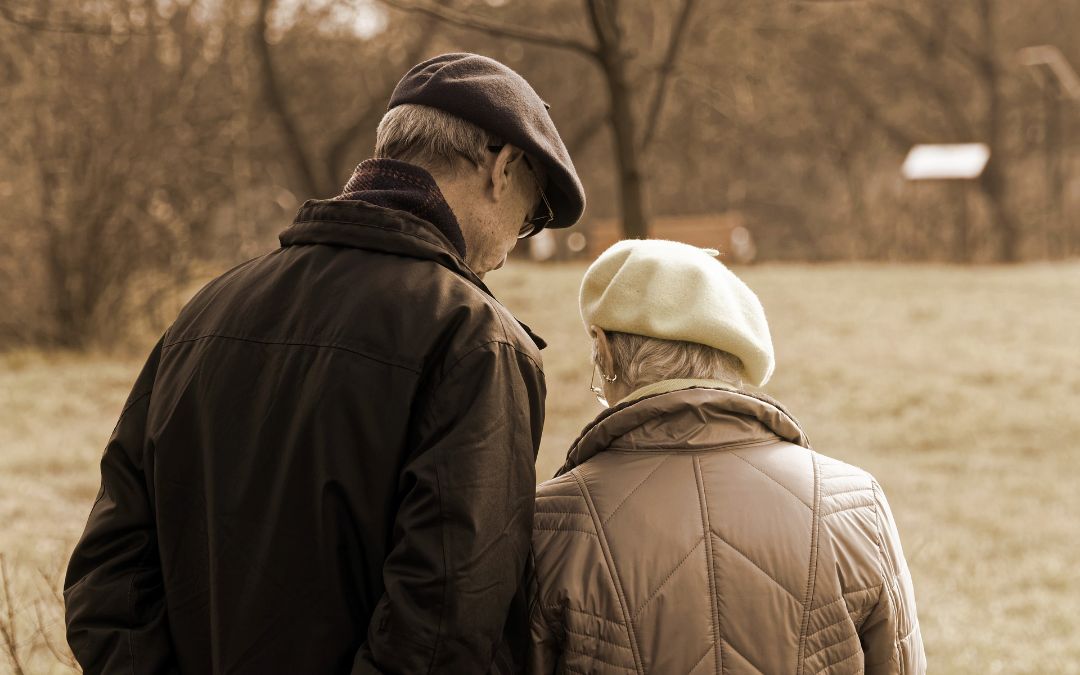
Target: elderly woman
column 692, row 528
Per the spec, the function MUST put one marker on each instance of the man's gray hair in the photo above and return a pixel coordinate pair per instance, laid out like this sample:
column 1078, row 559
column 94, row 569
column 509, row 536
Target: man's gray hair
column 430, row 138
column 640, row 360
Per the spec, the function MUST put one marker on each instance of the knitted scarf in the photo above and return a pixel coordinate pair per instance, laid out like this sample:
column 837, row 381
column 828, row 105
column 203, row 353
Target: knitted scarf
column 404, row 187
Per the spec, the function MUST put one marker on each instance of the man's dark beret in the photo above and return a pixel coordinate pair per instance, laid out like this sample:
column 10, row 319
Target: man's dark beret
column 483, row 91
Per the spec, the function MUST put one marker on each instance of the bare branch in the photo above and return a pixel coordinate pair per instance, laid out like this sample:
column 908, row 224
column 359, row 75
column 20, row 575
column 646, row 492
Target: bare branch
column 8, row 630
column 365, row 118
column 274, row 99
column 666, row 68
column 465, row 20
column 873, row 112
column 859, row 99
column 11, row 15
column 950, row 107
column 44, row 629
column 921, row 31
column 603, row 27
column 714, row 95
column 368, row 115
column 587, row 132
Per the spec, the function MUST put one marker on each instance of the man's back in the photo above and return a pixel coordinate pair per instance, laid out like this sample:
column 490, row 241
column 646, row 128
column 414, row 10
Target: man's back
column 294, row 424
column 327, row 463
column 259, row 386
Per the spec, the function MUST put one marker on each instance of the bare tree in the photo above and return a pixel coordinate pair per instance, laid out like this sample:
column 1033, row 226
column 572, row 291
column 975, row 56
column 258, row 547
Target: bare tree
column 42, row 23
column 9, row 626
column 318, row 162
column 609, row 51
column 117, row 148
column 951, row 58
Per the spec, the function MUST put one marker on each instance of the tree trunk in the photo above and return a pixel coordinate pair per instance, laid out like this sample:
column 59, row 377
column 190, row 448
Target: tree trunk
column 632, row 198
column 306, row 179
column 604, row 18
column 1057, row 236
column 961, row 244
column 993, row 184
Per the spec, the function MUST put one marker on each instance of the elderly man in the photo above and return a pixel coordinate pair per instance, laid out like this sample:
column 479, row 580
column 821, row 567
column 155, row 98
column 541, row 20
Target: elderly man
column 326, row 464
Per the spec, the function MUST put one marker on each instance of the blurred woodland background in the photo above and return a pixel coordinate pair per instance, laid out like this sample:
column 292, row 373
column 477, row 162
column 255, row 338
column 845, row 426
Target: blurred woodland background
column 142, row 140
column 149, row 145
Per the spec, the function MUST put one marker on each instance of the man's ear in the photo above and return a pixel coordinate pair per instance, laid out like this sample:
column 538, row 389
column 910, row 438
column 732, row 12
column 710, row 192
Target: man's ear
column 502, row 170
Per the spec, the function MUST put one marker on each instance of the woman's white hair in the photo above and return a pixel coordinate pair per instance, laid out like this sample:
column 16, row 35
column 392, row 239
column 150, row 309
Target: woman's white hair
column 639, row 360
column 429, row 137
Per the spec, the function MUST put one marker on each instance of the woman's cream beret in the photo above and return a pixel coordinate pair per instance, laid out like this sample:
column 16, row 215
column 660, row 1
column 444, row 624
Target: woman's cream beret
column 674, row 291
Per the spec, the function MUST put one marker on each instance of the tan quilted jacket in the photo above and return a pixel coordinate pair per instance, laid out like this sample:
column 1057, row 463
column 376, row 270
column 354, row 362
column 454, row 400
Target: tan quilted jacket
column 695, row 531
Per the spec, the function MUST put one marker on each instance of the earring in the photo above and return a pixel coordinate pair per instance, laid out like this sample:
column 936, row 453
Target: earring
column 600, row 398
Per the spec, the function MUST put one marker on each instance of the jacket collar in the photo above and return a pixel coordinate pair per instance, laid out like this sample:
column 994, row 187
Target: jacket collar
column 664, row 386
column 688, row 419
column 357, row 224
column 401, row 186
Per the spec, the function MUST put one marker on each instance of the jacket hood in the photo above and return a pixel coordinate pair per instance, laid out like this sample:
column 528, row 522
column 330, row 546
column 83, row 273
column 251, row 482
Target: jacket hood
column 691, row 419
column 358, row 224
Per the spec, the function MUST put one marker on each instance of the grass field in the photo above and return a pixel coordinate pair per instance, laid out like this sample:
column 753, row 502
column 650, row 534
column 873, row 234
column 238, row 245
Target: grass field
column 959, row 388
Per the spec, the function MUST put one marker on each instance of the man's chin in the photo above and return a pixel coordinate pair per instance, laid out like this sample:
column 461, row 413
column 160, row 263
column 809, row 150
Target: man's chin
column 481, row 274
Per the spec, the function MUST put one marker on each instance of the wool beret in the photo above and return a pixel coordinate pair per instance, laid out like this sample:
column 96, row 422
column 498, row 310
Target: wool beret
column 487, row 93
column 674, row 291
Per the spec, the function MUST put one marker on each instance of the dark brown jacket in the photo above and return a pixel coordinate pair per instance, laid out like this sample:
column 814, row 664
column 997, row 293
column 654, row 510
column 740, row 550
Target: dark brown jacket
column 326, row 466
column 694, row 531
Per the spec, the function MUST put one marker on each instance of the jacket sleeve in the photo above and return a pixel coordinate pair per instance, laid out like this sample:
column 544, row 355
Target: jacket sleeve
column 890, row 635
column 113, row 593
column 545, row 648
column 462, row 529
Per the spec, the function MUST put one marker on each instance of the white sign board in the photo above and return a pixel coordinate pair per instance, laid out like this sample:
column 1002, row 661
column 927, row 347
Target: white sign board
column 952, row 161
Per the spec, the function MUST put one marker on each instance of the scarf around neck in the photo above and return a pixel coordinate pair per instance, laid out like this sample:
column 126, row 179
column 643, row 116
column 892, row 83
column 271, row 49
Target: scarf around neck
column 401, row 186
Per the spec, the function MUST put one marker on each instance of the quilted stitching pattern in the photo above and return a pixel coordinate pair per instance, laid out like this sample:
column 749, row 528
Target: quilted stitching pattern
column 710, row 565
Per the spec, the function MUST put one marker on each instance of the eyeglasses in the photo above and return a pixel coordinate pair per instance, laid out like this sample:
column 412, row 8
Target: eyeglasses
column 535, row 221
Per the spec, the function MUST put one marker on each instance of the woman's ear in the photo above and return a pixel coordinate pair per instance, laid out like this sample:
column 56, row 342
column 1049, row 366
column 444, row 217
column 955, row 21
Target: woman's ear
column 603, row 350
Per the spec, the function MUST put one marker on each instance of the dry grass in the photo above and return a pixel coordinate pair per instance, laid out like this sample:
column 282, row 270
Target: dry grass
column 958, row 388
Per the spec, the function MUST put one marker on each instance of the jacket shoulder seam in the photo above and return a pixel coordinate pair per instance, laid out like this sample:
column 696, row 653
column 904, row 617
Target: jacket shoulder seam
column 497, row 307
column 133, row 401
column 765, row 473
column 630, row 494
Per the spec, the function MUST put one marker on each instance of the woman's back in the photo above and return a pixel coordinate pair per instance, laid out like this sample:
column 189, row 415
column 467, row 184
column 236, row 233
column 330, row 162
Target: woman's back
column 694, row 531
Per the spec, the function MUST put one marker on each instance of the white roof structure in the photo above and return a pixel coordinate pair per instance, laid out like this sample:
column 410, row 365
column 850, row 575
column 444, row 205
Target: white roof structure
column 946, row 162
